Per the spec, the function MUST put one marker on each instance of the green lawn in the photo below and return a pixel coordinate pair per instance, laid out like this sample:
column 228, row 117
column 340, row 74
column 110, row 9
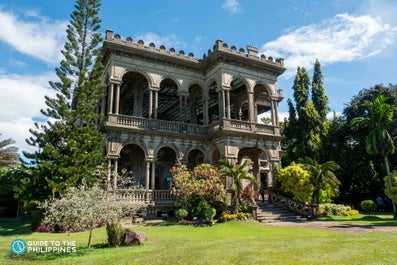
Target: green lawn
column 245, row 242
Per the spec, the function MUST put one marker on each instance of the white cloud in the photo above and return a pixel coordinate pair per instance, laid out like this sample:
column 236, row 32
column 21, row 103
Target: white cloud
column 343, row 38
column 21, row 98
column 36, row 36
column 233, row 6
column 169, row 41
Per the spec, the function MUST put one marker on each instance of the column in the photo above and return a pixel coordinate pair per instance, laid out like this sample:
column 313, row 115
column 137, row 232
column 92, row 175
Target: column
column 109, row 174
column 110, row 94
column 185, row 108
column 251, row 106
column 117, row 86
column 115, row 174
column 156, row 102
column 150, row 102
column 180, row 107
column 147, row 181
column 221, row 104
column 153, row 175
column 227, row 103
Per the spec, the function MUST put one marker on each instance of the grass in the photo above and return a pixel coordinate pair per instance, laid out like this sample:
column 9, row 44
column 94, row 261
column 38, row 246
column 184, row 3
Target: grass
column 245, row 242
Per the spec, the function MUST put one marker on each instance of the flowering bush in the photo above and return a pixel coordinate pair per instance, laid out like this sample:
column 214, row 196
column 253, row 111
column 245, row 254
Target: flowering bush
column 350, row 213
column 197, row 190
column 227, row 216
column 333, row 209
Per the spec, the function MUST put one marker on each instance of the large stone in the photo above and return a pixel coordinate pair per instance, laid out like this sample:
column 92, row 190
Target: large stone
column 135, row 238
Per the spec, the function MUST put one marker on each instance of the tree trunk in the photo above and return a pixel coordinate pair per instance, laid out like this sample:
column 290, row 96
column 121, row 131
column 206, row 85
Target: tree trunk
column 89, row 237
column 390, row 186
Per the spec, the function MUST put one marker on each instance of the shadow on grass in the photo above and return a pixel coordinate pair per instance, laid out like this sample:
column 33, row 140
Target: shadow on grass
column 13, row 227
column 375, row 220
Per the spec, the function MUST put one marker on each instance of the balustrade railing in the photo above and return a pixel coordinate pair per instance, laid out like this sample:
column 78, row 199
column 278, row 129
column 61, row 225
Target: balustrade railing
column 142, row 195
column 289, row 204
column 191, row 129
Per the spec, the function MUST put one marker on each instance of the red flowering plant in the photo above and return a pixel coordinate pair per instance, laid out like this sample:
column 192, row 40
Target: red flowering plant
column 198, row 189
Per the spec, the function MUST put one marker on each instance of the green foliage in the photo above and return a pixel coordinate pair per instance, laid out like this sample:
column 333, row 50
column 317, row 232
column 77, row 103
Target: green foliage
column 350, row 213
column 245, row 207
column 209, row 214
column 322, row 177
column 70, row 146
column 307, row 126
column 391, row 192
column 296, row 180
column 334, row 209
column 197, row 190
column 237, row 173
column 84, row 208
column 181, row 214
column 368, row 206
column 115, row 233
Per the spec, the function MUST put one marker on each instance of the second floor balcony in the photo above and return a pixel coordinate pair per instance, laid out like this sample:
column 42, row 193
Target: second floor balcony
column 134, row 123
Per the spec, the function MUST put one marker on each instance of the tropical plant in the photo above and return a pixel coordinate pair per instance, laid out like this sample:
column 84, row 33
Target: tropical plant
column 70, row 146
column 238, row 173
column 379, row 120
column 322, row 177
column 8, row 153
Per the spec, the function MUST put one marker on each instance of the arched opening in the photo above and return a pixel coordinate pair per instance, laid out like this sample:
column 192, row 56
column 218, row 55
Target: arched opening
column 196, row 105
column 131, row 167
column 213, row 104
column 168, row 101
column 263, row 105
column 195, row 157
column 216, row 156
column 134, row 95
column 166, row 158
column 239, row 107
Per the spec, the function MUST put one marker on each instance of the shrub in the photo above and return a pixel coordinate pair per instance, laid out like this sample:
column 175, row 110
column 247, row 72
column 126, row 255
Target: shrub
column 209, row 213
column 115, row 233
column 368, row 206
column 333, row 209
column 245, row 207
column 350, row 213
column 181, row 214
column 227, row 216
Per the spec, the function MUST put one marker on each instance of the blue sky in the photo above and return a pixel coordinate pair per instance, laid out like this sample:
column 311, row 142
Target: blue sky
column 355, row 41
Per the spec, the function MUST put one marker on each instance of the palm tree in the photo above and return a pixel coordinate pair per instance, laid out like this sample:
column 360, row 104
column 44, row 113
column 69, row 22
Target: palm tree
column 379, row 141
column 8, row 153
column 322, row 176
column 238, row 173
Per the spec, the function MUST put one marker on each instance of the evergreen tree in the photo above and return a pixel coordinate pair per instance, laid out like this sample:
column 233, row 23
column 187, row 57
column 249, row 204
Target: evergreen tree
column 70, row 144
column 319, row 99
column 301, row 88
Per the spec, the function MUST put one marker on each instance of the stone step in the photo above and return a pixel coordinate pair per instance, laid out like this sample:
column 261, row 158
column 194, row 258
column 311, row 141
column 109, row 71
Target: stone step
column 269, row 213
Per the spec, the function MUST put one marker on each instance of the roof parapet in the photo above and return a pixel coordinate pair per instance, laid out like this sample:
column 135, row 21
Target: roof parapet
column 252, row 52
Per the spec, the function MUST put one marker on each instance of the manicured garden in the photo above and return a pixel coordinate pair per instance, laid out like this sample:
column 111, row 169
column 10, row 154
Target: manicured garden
column 242, row 242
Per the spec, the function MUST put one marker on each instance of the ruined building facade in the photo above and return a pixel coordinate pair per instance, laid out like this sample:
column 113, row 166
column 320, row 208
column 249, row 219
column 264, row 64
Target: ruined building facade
column 163, row 107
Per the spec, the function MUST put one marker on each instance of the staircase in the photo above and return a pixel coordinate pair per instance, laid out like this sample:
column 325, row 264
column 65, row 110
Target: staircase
column 271, row 213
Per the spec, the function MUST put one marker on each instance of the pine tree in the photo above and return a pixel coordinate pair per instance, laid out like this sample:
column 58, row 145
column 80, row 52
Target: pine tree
column 71, row 145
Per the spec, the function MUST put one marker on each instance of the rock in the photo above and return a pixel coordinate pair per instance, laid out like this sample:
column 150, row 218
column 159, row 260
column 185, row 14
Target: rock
column 135, row 238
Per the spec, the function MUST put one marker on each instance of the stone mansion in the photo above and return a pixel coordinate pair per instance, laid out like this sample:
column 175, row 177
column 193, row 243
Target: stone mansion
column 163, row 107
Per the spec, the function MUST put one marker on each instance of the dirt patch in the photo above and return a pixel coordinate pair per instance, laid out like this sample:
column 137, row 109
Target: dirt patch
column 338, row 226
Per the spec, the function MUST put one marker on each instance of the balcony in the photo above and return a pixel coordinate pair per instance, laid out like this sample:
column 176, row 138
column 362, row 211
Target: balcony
column 143, row 124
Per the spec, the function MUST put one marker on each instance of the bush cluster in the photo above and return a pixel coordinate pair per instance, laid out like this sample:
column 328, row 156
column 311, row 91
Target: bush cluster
column 335, row 209
column 368, row 206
